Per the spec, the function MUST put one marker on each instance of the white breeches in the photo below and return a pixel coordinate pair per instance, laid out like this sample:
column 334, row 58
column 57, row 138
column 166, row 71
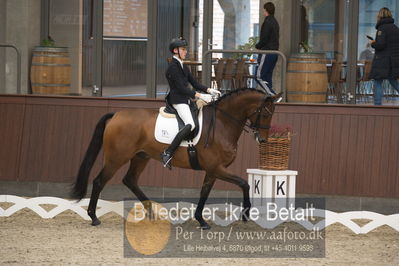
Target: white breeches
column 185, row 114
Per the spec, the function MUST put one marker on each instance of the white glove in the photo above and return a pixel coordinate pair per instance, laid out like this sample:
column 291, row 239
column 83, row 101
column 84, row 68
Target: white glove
column 214, row 92
column 205, row 97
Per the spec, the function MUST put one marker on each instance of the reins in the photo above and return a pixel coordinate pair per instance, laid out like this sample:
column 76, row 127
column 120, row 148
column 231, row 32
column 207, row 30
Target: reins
column 254, row 127
column 212, row 125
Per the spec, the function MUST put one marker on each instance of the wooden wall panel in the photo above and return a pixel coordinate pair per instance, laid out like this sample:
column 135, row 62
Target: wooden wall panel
column 11, row 125
column 393, row 158
column 55, row 138
column 344, row 150
column 337, row 150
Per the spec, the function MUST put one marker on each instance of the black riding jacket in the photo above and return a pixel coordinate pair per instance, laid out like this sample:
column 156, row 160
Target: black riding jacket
column 178, row 79
column 269, row 34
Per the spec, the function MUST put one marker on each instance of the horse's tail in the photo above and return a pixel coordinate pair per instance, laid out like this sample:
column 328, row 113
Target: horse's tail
column 80, row 187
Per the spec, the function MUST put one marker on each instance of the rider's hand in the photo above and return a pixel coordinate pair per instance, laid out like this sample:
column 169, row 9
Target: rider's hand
column 214, row 92
column 205, row 97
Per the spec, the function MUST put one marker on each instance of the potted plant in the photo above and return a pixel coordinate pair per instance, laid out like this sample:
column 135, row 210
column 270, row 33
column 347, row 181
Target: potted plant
column 304, row 47
column 274, row 154
column 250, row 45
column 48, row 42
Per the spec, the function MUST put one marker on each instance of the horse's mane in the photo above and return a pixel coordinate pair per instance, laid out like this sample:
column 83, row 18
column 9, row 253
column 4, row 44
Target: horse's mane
column 234, row 93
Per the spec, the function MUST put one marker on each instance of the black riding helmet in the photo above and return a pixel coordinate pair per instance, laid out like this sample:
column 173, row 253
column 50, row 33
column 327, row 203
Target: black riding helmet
column 176, row 43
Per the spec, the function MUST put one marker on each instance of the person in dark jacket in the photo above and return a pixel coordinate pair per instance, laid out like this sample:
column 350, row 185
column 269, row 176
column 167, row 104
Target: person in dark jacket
column 269, row 40
column 386, row 59
column 180, row 95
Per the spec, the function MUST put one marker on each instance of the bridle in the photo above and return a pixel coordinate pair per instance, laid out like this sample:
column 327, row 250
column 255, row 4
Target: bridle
column 256, row 126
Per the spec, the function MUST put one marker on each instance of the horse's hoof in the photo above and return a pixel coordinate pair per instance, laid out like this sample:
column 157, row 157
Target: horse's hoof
column 150, row 216
column 95, row 222
column 244, row 218
column 205, row 226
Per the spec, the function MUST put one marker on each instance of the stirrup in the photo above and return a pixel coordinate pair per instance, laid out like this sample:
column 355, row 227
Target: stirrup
column 167, row 163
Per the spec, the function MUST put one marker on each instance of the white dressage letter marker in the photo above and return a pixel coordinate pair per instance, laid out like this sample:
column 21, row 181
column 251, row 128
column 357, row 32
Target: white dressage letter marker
column 272, row 186
column 281, row 186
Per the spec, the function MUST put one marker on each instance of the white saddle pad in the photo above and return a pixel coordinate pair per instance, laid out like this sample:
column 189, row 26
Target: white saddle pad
column 167, row 128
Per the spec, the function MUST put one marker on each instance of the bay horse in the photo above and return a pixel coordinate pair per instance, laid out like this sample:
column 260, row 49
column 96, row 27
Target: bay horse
column 129, row 136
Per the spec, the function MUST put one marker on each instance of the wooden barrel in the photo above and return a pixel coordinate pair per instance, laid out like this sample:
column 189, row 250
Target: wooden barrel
column 307, row 78
column 50, row 70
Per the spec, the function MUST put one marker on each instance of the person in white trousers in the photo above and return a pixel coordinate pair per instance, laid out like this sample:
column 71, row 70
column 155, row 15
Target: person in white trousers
column 180, row 95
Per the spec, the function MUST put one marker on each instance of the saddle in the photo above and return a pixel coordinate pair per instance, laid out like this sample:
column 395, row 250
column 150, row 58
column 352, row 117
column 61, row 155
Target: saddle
column 169, row 111
column 169, row 123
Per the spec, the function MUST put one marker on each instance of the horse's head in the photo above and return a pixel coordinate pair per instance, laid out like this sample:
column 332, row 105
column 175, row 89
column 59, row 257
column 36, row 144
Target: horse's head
column 261, row 117
column 241, row 105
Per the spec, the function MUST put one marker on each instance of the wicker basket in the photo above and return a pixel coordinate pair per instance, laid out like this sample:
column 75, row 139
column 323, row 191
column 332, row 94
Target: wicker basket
column 273, row 155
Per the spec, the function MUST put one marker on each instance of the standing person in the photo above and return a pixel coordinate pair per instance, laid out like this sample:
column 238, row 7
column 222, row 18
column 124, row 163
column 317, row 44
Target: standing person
column 269, row 40
column 386, row 59
column 367, row 54
column 181, row 96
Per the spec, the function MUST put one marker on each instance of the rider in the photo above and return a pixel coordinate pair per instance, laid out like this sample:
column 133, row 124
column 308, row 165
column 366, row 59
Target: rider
column 180, row 95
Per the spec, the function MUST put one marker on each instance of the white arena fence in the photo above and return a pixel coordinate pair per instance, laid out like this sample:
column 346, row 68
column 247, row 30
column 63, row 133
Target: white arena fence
column 346, row 218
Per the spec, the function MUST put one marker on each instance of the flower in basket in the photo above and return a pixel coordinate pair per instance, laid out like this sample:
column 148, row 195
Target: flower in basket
column 280, row 131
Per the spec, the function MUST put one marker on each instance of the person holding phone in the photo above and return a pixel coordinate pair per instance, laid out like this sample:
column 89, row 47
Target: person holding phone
column 386, row 59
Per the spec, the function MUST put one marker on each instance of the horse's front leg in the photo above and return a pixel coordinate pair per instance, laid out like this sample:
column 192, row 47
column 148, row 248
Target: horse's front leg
column 224, row 175
column 206, row 189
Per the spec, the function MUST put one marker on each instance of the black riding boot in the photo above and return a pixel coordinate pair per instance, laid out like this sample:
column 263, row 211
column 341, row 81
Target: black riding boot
column 167, row 155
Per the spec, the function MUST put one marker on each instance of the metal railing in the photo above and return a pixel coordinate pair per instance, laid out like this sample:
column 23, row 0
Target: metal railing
column 18, row 65
column 207, row 64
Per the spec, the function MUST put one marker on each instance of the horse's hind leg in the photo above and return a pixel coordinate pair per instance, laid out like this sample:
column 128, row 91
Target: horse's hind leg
column 206, row 189
column 98, row 185
column 137, row 165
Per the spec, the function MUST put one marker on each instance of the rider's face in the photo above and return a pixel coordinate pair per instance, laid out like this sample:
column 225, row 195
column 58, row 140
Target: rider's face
column 182, row 52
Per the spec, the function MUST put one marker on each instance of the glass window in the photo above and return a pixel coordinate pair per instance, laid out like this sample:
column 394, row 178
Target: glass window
column 318, row 27
column 234, row 22
column 124, row 48
column 20, row 26
column 368, row 10
column 173, row 19
column 324, row 29
column 179, row 19
column 48, row 36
